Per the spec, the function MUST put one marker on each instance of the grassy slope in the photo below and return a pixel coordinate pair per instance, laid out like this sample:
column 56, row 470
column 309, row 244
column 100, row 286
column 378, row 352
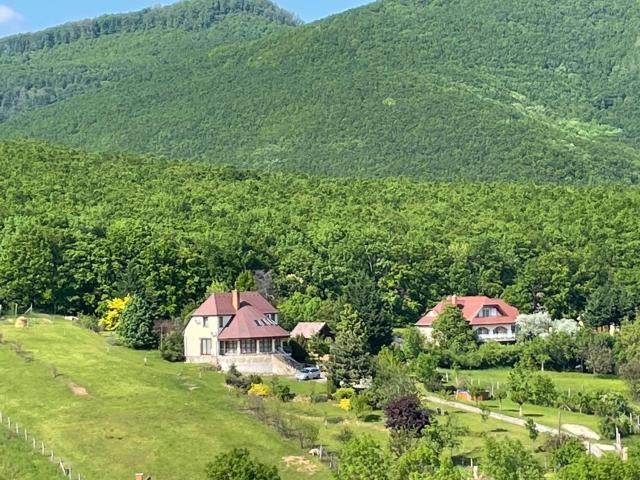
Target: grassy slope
column 135, row 417
column 513, row 97
column 153, row 419
column 18, row 462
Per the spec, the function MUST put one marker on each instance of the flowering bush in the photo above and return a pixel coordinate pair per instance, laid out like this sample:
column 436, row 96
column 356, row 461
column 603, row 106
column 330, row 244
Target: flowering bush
column 345, row 404
column 111, row 318
column 259, row 390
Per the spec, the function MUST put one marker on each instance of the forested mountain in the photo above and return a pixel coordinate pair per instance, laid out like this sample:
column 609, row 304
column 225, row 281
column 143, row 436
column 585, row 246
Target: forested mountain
column 43, row 68
column 78, row 228
column 478, row 89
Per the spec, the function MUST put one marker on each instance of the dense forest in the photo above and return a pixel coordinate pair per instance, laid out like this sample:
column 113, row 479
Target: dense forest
column 79, row 228
column 541, row 90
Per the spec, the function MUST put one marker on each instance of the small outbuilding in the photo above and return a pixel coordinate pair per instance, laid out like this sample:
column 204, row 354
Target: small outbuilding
column 311, row 329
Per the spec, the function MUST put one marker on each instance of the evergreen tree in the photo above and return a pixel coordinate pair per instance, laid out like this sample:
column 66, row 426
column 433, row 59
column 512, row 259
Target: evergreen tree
column 365, row 299
column 136, row 325
column 350, row 360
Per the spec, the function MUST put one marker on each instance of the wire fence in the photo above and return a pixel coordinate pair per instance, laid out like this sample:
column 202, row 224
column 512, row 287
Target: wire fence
column 39, row 446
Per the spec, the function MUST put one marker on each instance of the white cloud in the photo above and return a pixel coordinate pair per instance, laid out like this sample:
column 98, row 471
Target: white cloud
column 10, row 21
column 9, row 16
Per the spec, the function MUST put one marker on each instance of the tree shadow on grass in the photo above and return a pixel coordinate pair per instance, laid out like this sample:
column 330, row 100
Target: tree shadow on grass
column 372, row 417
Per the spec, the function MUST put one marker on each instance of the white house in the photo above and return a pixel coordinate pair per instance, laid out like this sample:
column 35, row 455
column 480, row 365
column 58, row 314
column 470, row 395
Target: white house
column 491, row 319
column 238, row 329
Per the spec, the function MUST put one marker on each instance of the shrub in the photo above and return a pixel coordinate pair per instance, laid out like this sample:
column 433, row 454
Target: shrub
column 360, row 406
column 235, row 379
column 89, row 322
column 172, row 348
column 344, row 435
column 280, row 391
column 259, row 390
column 407, row 414
column 564, row 449
column 345, row 404
column 343, row 393
column 239, row 465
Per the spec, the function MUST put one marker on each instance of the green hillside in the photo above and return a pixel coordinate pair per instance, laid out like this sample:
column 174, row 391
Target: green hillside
column 476, row 89
column 78, row 228
column 167, row 420
column 53, row 65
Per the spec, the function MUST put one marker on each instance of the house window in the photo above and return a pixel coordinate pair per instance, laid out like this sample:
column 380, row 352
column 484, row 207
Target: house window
column 205, row 322
column 228, row 348
column 265, row 345
column 205, row 346
column 482, row 331
column 500, row 331
column 488, row 312
column 220, row 322
column 278, row 343
column 247, row 346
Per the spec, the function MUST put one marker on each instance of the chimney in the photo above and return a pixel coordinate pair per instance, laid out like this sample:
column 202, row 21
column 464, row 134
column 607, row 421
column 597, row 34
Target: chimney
column 454, row 300
column 235, row 300
column 139, row 476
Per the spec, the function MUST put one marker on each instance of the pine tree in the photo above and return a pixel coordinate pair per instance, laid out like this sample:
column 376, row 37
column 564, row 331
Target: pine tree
column 350, row 357
column 136, row 325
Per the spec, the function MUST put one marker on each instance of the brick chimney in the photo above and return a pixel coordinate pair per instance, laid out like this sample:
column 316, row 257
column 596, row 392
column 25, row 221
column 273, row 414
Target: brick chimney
column 454, row 300
column 235, row 300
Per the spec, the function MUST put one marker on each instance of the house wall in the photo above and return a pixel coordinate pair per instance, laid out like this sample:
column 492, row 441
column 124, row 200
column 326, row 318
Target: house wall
column 195, row 331
column 427, row 332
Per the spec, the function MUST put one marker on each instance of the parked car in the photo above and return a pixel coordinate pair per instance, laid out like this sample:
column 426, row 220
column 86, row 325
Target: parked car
column 308, row 373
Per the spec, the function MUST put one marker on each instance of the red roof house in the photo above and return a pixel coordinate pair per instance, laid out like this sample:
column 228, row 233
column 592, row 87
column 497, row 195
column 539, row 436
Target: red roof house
column 491, row 318
column 238, row 329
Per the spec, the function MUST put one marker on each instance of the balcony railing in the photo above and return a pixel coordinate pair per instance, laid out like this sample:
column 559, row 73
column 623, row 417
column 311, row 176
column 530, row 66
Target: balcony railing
column 497, row 337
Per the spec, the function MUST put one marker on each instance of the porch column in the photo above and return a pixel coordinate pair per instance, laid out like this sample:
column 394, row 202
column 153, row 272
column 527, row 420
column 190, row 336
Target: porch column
column 273, row 344
column 258, row 346
column 237, row 347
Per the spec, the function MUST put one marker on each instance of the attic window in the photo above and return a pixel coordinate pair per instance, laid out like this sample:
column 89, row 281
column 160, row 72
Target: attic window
column 489, row 311
column 259, row 323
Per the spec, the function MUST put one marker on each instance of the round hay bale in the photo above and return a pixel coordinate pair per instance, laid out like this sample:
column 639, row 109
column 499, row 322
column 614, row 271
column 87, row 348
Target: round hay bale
column 22, row 322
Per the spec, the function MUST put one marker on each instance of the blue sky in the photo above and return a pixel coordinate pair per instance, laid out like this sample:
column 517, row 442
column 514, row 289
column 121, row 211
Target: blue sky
column 29, row 15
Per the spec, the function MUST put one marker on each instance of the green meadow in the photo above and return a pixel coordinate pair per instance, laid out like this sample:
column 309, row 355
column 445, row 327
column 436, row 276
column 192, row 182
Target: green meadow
column 167, row 420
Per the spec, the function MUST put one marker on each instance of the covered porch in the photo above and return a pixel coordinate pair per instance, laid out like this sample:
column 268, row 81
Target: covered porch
column 252, row 346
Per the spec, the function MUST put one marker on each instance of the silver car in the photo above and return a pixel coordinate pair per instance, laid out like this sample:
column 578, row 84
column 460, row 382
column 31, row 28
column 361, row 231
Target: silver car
column 308, row 373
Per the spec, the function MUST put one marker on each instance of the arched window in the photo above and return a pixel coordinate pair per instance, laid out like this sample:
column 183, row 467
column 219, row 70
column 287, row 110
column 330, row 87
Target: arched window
column 500, row 331
column 482, row 331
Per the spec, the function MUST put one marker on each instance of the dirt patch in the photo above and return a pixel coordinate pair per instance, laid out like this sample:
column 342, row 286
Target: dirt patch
column 301, row 465
column 77, row 390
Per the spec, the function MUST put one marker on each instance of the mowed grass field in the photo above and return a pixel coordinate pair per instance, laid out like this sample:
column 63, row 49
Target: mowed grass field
column 166, row 420
column 549, row 416
column 564, row 381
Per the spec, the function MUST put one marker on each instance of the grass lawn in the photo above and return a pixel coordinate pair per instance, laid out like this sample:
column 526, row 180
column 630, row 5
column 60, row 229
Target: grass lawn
column 564, row 381
column 19, row 462
column 167, row 420
column 472, row 443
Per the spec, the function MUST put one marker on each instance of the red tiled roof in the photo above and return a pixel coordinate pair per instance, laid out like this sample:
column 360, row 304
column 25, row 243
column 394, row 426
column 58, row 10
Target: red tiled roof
column 221, row 304
column 307, row 329
column 249, row 322
column 471, row 307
